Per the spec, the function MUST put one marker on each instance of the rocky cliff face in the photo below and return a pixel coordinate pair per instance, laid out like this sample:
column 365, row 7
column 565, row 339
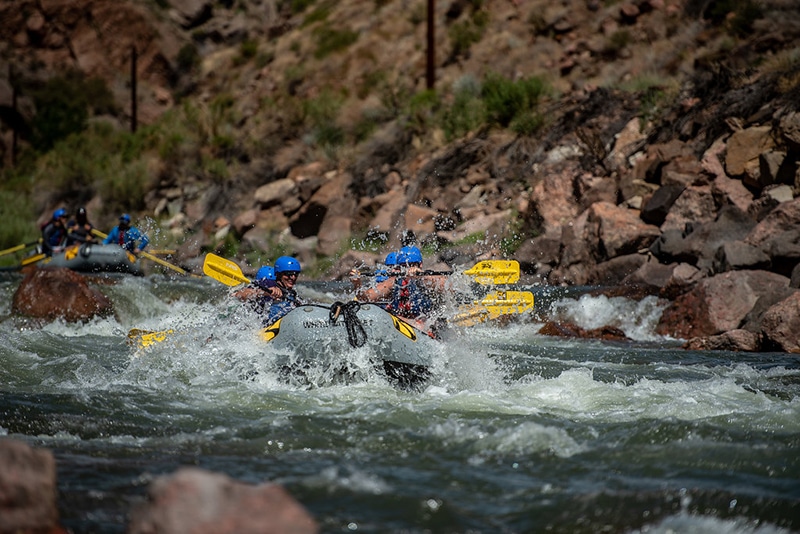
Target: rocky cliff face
column 669, row 152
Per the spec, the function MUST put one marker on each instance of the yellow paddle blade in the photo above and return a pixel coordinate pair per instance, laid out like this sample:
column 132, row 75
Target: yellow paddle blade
column 494, row 305
column 223, row 270
column 145, row 338
column 495, row 272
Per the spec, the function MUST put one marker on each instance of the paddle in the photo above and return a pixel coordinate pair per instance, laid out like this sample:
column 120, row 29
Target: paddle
column 487, row 272
column 150, row 257
column 222, row 270
column 33, row 259
column 494, row 305
column 145, row 338
column 17, row 248
column 216, row 267
column 495, row 272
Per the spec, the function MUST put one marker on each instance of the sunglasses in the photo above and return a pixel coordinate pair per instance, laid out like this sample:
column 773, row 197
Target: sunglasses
column 291, row 273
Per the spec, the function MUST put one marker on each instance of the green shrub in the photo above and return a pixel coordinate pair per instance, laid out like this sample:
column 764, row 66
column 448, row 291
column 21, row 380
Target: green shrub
column 248, row 49
column 64, row 104
column 330, row 40
column 422, row 110
column 466, row 114
column 369, row 82
column 737, row 15
column 321, row 114
column 17, row 212
column 188, row 58
column 506, row 99
column 319, row 14
column 463, row 35
column 527, row 123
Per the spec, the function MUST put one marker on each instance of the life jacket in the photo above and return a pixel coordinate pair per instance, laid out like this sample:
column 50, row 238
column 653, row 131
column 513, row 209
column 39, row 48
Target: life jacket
column 409, row 299
column 272, row 310
column 54, row 235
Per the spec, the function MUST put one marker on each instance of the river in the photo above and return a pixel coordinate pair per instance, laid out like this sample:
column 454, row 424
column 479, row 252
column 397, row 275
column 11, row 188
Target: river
column 516, row 432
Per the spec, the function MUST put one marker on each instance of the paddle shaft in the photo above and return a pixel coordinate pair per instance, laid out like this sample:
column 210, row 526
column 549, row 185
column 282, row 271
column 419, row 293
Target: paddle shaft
column 17, row 248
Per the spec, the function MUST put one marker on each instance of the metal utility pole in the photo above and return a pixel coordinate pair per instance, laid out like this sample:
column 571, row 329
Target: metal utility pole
column 430, row 70
column 133, row 90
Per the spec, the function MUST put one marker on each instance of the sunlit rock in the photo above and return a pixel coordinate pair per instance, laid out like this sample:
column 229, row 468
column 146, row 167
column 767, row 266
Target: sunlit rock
column 27, row 489
column 202, row 502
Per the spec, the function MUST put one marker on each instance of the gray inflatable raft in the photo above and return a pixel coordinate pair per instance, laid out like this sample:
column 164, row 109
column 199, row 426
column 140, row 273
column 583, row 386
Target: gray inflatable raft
column 317, row 333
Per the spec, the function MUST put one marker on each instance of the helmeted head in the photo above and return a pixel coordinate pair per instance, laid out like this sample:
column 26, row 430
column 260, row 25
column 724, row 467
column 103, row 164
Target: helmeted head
column 80, row 216
column 286, row 264
column 265, row 273
column 286, row 270
column 60, row 213
column 124, row 220
column 391, row 259
column 409, row 256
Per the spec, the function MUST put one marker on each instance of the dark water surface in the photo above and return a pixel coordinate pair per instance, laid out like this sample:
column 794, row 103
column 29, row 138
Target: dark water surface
column 516, row 432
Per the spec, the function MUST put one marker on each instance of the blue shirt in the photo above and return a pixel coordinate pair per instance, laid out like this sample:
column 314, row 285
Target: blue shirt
column 127, row 239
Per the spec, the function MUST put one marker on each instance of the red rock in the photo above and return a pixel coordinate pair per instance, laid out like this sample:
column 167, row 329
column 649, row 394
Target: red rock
column 201, row 502
column 53, row 293
column 27, row 489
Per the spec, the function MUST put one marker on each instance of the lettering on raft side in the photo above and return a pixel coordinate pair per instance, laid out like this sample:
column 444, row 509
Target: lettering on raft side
column 327, row 323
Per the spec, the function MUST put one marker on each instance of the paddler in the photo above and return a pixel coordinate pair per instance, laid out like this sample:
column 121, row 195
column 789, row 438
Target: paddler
column 410, row 293
column 275, row 299
column 256, row 293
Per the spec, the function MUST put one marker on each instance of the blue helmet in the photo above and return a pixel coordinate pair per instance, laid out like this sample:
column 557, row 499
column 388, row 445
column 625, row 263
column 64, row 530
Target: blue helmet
column 409, row 255
column 60, row 212
column 287, row 264
column 265, row 273
column 125, row 218
column 391, row 259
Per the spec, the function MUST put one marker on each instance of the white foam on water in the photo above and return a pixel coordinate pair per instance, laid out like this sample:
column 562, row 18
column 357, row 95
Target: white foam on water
column 637, row 319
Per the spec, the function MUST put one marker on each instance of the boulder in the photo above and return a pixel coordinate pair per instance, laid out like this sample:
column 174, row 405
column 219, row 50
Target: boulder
column 738, row 255
column 780, row 325
column 729, row 192
column 615, row 270
column 667, row 281
column 606, row 333
column 274, row 192
column 784, row 217
column 201, row 502
column 718, row 304
column 656, row 209
column 27, row 489
column 695, row 205
column 738, row 340
column 552, row 203
column 59, row 293
column 620, row 230
column 745, row 146
column 697, row 244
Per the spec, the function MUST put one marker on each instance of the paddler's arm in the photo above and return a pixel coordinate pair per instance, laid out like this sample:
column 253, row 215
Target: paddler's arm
column 380, row 292
column 249, row 293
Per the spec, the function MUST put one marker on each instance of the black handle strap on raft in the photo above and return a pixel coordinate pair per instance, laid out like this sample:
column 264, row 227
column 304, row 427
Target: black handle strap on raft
column 356, row 335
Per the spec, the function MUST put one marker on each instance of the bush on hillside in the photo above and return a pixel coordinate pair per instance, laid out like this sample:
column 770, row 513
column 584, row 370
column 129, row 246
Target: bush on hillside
column 63, row 106
column 506, row 100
